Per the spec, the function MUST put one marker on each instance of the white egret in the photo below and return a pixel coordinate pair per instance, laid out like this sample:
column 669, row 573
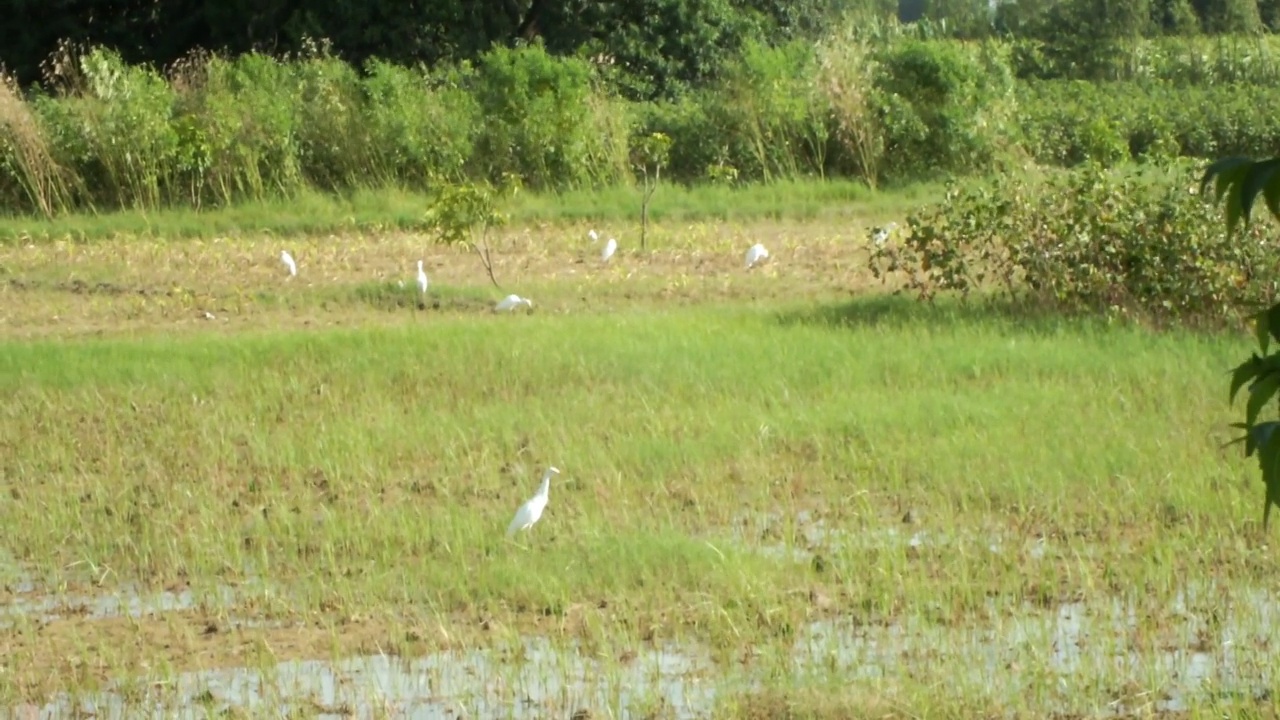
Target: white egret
column 756, row 254
column 287, row 259
column 511, row 302
column 609, row 248
column 592, row 234
column 422, row 279
column 882, row 234
column 532, row 508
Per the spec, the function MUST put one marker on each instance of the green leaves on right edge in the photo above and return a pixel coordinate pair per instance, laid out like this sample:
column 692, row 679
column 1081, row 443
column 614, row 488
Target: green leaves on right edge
column 1241, row 180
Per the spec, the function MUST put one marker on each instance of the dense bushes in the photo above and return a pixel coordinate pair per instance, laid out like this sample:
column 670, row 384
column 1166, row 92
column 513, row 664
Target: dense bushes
column 1087, row 240
column 875, row 102
column 1069, row 122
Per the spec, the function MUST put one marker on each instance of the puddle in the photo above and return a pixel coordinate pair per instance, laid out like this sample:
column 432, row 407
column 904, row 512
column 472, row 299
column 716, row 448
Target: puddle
column 811, row 533
column 543, row 683
column 126, row 600
column 1095, row 658
column 1077, row 657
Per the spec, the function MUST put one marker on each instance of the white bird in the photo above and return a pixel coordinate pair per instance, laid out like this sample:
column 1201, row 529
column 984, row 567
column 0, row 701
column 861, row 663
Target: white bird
column 287, row 259
column 511, row 302
column 422, row 279
column 756, row 254
column 532, row 508
column 609, row 248
column 882, row 234
column 592, row 234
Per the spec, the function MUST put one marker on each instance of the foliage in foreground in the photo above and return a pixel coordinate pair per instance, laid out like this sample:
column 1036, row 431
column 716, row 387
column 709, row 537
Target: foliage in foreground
column 1242, row 180
column 1092, row 240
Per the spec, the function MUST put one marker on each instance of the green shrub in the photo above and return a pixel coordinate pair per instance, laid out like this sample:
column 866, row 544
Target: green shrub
column 698, row 142
column 114, row 127
column 536, row 121
column 333, row 136
column 1088, row 240
column 422, row 126
column 239, row 131
column 942, row 107
column 776, row 121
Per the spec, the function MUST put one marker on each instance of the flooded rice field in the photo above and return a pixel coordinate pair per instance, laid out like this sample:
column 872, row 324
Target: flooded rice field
column 1086, row 658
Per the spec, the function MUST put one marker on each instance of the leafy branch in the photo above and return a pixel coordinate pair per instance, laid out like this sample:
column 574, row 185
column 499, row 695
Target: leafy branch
column 464, row 214
column 649, row 152
column 1241, row 181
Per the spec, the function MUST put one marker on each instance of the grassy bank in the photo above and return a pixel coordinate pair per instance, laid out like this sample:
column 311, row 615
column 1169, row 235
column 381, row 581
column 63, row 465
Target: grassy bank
column 388, row 209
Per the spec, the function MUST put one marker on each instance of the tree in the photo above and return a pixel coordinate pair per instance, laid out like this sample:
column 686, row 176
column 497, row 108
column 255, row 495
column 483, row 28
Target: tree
column 649, row 154
column 1241, row 181
column 464, row 214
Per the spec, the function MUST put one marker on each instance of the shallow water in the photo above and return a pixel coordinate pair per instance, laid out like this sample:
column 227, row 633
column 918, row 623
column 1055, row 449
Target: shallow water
column 1098, row 658
column 545, row 683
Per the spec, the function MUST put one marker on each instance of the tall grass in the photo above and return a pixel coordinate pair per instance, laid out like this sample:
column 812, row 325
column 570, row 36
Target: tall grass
column 865, row 104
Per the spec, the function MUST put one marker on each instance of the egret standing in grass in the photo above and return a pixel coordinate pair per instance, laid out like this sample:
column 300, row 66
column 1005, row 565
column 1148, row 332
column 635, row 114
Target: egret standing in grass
column 511, row 302
column 882, row 234
column 592, row 234
column 422, row 279
column 532, row 508
column 287, row 259
column 609, row 248
column 755, row 254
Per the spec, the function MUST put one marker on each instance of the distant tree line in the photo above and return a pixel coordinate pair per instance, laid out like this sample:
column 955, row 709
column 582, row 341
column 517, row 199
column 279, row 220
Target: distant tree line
column 659, row 47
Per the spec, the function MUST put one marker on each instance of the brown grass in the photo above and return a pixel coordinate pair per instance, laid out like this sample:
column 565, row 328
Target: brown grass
column 134, row 285
column 45, row 183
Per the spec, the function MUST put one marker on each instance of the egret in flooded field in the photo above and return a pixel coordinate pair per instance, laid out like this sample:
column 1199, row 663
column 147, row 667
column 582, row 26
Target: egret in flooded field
column 756, row 254
column 532, row 508
column 609, row 248
column 511, row 302
column 422, row 279
column 287, row 259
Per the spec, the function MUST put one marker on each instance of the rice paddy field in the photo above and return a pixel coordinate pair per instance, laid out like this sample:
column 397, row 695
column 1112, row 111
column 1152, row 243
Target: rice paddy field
column 228, row 491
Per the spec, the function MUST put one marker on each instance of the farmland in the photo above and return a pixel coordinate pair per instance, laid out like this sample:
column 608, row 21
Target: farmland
column 975, row 468
column 781, row 490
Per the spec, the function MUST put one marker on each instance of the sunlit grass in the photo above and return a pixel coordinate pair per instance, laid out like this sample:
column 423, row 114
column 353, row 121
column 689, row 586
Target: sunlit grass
column 733, row 472
column 386, row 209
column 328, row 451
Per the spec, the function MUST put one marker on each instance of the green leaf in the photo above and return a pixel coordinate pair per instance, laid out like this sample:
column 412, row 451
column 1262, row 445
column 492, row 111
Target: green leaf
column 1261, row 325
column 1273, row 321
column 1261, row 392
column 1246, row 438
column 1271, row 193
column 1228, row 174
column 1257, row 177
column 1262, row 433
column 1243, row 373
column 1269, row 461
column 1223, row 171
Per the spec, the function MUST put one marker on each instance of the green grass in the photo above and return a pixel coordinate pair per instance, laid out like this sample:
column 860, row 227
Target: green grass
column 315, row 213
column 372, row 472
column 722, row 466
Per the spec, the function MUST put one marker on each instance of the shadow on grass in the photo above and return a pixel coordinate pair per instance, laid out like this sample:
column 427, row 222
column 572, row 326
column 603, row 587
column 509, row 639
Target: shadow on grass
column 388, row 296
column 900, row 311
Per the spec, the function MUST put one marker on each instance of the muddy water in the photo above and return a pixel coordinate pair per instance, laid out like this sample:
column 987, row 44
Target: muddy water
column 545, row 683
column 1076, row 658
